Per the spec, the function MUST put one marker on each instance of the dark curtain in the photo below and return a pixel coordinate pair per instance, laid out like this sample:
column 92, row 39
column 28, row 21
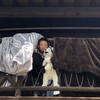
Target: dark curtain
column 77, row 61
column 77, row 54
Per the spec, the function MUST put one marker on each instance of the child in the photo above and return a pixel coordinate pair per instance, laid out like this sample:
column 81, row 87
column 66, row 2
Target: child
column 38, row 57
column 37, row 72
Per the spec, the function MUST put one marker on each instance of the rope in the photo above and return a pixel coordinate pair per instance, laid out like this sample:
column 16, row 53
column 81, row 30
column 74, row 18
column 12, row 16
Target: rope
column 38, row 76
column 69, row 83
column 91, row 85
column 79, row 84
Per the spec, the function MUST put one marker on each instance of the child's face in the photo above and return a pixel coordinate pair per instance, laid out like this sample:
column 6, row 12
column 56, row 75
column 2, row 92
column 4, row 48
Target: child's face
column 43, row 45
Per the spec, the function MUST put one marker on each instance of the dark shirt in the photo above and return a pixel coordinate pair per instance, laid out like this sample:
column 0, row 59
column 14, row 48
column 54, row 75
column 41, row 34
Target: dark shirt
column 37, row 65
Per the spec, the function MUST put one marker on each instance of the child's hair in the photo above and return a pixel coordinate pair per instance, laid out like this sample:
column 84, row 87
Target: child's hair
column 43, row 39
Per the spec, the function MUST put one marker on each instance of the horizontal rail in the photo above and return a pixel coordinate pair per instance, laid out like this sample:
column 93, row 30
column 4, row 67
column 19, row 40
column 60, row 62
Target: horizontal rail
column 53, row 88
column 50, row 28
column 62, row 88
column 47, row 98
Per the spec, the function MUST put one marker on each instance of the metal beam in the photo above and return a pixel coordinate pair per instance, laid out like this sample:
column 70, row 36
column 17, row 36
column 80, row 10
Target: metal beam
column 50, row 12
column 50, row 28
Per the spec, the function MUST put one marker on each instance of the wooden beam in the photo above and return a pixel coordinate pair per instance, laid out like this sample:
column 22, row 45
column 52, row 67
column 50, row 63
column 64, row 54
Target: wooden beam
column 62, row 88
column 53, row 88
column 2, row 80
column 50, row 12
column 47, row 98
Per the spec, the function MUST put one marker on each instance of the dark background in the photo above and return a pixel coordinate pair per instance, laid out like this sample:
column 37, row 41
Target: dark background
column 51, row 22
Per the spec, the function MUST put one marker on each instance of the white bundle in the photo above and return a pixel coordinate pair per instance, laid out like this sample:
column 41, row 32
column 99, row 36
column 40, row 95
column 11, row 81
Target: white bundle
column 16, row 53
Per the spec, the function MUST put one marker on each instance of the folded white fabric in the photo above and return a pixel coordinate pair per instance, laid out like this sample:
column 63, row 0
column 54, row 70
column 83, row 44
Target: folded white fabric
column 16, row 53
column 24, row 54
